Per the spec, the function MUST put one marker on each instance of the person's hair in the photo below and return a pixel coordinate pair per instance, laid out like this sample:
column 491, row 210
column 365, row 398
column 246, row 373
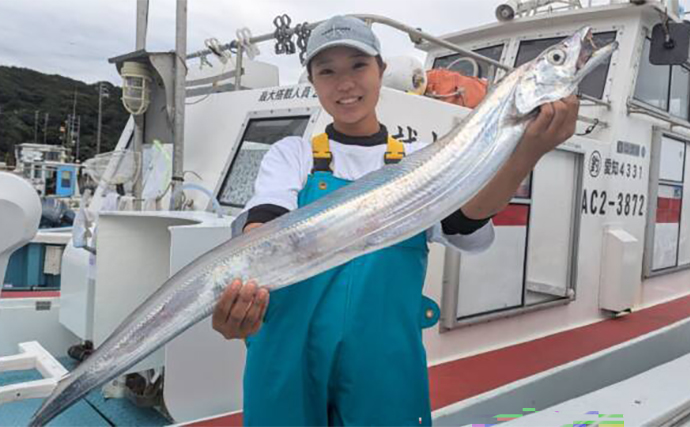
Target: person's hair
column 379, row 61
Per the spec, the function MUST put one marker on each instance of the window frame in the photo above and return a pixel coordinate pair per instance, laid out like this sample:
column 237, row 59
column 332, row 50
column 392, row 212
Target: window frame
column 634, row 97
column 286, row 113
column 65, row 179
column 645, row 37
column 491, row 75
column 670, row 92
column 563, row 34
column 653, row 194
column 452, row 264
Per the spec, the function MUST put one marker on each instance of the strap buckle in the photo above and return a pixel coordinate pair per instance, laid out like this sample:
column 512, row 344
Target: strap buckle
column 395, row 151
column 321, row 153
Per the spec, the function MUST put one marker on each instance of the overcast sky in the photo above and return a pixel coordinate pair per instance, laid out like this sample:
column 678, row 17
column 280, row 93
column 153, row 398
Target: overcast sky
column 75, row 38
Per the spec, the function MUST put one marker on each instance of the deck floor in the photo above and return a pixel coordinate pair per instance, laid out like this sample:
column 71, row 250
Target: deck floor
column 94, row 410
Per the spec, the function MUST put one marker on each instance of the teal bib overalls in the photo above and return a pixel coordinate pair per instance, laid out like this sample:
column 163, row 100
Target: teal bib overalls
column 343, row 347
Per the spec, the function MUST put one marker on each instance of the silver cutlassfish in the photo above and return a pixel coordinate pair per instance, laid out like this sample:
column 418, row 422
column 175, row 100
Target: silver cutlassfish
column 378, row 210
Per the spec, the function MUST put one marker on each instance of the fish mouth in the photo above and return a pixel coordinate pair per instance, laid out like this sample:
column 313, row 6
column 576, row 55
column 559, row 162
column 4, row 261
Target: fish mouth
column 590, row 55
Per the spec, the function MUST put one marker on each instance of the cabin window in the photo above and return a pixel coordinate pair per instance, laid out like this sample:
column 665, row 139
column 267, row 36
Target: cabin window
column 51, row 182
column 666, row 87
column 259, row 135
column 455, row 62
column 668, row 228
column 530, row 49
column 52, row 156
column 680, row 89
column 535, row 248
column 595, row 82
column 66, row 179
column 653, row 81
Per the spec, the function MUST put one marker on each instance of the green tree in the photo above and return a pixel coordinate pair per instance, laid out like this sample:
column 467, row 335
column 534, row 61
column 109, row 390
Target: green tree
column 24, row 91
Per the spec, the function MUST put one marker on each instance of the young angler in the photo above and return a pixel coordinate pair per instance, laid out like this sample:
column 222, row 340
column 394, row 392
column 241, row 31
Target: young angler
column 346, row 347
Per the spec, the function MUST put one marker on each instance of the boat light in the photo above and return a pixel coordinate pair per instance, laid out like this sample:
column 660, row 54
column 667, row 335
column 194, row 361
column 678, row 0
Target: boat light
column 136, row 87
column 510, row 9
column 507, row 11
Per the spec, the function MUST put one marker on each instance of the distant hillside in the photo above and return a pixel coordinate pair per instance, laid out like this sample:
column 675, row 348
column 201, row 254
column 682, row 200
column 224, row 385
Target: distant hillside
column 23, row 91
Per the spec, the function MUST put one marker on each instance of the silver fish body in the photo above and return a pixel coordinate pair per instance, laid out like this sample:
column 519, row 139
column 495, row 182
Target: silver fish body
column 383, row 208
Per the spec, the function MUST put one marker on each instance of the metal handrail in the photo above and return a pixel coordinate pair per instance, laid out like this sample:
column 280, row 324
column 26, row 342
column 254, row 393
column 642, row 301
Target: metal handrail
column 416, row 35
column 636, row 107
column 596, row 101
column 594, row 122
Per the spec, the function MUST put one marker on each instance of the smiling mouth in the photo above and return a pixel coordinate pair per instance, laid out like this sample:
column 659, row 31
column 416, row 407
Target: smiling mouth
column 349, row 101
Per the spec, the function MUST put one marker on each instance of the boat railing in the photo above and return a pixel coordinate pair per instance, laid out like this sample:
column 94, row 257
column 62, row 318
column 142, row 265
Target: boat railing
column 417, row 36
column 636, row 107
column 513, row 9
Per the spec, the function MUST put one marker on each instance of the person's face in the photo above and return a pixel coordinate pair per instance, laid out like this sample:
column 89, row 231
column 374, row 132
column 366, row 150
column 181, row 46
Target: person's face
column 348, row 83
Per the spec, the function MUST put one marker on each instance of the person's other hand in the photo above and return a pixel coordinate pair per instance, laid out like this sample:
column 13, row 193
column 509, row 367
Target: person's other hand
column 240, row 310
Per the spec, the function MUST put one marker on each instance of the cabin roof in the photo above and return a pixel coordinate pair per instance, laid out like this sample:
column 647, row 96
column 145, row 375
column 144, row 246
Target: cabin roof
column 557, row 19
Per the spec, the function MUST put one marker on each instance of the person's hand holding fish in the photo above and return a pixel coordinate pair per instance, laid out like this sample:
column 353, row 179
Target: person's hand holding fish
column 240, row 310
column 554, row 125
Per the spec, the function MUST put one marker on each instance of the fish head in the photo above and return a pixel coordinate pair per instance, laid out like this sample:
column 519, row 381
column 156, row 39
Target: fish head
column 557, row 71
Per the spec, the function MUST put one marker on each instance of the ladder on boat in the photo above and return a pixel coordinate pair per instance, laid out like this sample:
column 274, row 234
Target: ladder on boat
column 31, row 356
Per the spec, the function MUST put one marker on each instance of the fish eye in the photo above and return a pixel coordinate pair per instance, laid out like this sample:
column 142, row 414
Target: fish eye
column 556, row 56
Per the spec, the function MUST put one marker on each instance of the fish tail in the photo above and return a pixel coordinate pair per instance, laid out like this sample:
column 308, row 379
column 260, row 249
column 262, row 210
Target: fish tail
column 61, row 398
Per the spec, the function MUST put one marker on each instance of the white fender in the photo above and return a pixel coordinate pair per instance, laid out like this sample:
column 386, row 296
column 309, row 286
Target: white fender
column 20, row 215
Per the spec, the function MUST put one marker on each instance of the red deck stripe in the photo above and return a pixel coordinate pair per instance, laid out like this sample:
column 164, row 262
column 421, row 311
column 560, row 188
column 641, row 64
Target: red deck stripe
column 512, row 215
column 464, row 378
column 234, row 420
column 461, row 379
column 5, row 294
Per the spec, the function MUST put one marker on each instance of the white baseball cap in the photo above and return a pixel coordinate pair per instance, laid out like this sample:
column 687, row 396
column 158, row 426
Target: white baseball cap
column 342, row 31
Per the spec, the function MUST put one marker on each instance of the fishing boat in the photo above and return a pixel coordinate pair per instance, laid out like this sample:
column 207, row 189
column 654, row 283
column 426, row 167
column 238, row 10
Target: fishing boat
column 48, row 169
column 579, row 313
column 54, row 178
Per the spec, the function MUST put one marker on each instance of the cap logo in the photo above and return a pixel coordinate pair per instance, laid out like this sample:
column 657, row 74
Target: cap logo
column 336, row 32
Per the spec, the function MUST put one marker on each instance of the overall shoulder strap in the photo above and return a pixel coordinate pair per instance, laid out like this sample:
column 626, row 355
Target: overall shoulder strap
column 321, row 153
column 395, row 151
